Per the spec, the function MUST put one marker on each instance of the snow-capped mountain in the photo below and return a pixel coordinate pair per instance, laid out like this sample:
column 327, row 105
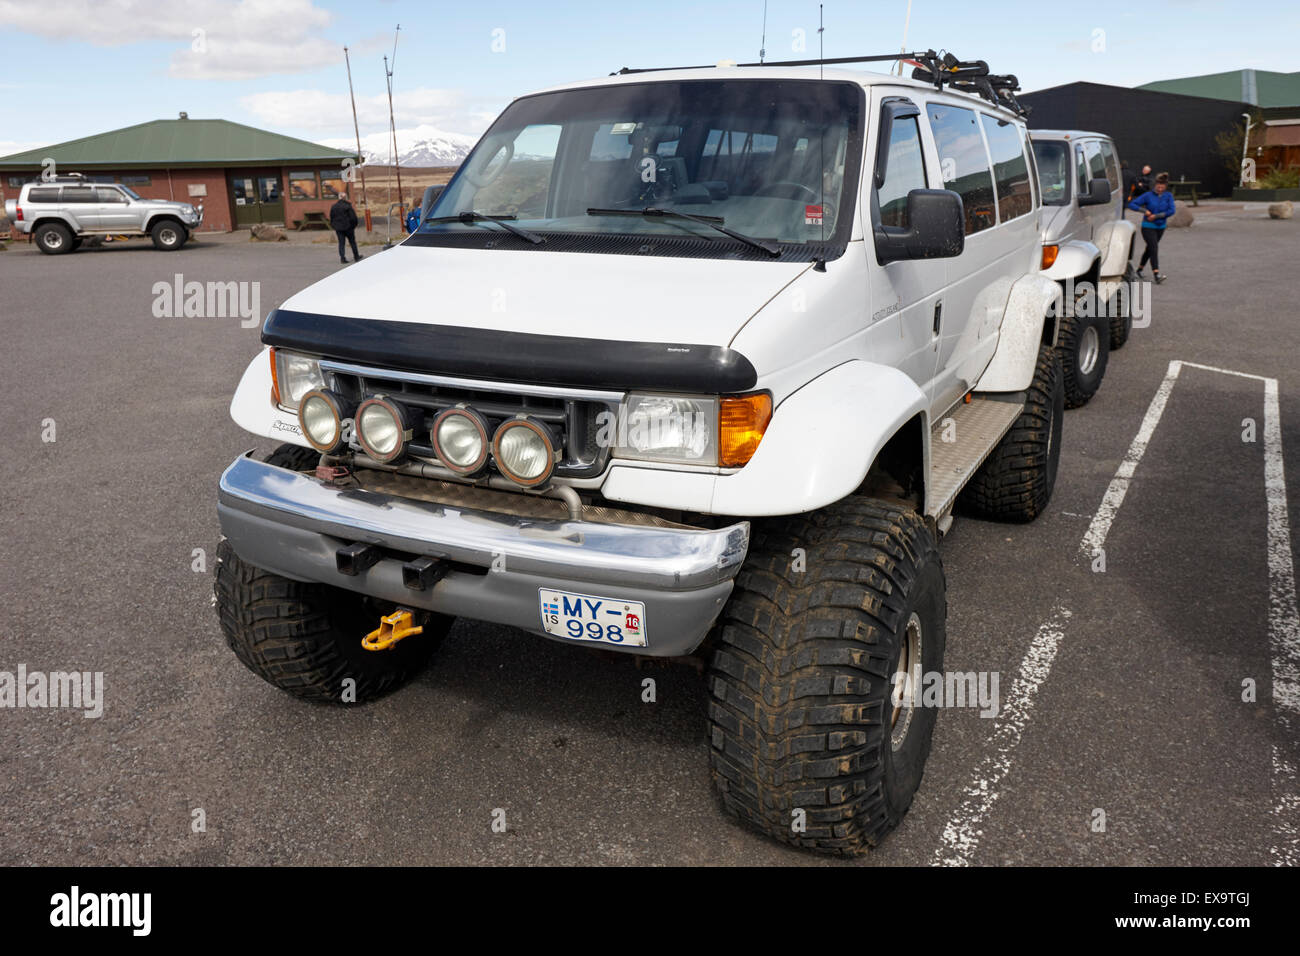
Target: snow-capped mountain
column 417, row 146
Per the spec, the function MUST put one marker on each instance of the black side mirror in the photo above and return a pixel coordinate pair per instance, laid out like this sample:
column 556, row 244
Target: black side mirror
column 1098, row 193
column 936, row 228
column 431, row 195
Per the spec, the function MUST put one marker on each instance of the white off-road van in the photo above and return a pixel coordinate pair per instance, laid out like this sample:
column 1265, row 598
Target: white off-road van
column 681, row 362
column 1088, row 248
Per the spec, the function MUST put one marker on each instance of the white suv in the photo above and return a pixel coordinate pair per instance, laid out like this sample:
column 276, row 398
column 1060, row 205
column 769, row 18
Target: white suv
column 685, row 361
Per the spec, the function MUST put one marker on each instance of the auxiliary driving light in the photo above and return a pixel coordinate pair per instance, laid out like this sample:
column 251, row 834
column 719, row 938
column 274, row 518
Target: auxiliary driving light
column 460, row 439
column 383, row 428
column 524, row 450
column 321, row 414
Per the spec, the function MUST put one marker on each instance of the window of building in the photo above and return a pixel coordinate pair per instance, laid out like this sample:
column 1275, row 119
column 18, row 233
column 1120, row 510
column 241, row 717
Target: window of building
column 137, row 180
column 332, row 185
column 99, row 179
column 905, row 171
column 1010, row 168
column 964, row 163
column 303, row 185
column 16, row 182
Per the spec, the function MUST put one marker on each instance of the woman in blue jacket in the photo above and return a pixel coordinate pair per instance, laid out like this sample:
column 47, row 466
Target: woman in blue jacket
column 1156, row 206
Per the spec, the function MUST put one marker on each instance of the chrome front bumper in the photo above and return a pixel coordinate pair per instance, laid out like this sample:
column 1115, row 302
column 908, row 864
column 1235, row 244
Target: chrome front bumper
column 294, row 525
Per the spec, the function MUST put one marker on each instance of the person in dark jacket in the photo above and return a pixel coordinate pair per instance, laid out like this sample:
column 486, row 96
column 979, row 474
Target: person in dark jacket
column 343, row 220
column 1156, row 206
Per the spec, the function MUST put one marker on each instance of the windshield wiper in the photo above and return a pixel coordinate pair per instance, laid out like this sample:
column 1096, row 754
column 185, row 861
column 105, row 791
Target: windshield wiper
column 713, row 222
column 473, row 218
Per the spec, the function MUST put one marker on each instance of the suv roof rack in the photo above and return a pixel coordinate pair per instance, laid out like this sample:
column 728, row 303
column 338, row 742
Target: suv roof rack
column 967, row 76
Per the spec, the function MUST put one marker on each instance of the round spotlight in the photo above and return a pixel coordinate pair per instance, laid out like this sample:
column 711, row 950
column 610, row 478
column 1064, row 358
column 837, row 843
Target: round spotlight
column 524, row 450
column 383, row 428
column 320, row 415
column 460, row 439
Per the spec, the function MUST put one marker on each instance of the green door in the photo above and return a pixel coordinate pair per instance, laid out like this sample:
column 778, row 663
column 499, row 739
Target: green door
column 256, row 198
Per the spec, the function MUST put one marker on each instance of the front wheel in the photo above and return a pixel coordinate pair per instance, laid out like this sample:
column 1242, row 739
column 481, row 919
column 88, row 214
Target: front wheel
column 818, row 737
column 1084, row 346
column 167, row 235
column 1121, row 313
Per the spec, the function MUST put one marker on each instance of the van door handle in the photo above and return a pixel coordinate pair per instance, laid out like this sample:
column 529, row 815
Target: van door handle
column 938, row 316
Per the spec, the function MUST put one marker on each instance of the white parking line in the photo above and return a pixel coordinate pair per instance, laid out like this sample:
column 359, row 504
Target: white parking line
column 961, row 834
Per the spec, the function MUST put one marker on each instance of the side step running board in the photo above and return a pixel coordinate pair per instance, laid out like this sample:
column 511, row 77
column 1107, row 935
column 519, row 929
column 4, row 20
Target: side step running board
column 959, row 443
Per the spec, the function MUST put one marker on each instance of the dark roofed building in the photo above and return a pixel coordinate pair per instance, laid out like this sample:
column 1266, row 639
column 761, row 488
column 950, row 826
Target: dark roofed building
column 240, row 174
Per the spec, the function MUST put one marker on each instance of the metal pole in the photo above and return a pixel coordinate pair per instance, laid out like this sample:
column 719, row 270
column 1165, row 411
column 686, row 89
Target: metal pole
column 357, row 129
column 1245, row 144
column 392, row 124
column 906, row 23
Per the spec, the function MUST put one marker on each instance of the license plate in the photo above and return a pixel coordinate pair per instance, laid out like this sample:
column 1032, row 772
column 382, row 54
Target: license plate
column 585, row 617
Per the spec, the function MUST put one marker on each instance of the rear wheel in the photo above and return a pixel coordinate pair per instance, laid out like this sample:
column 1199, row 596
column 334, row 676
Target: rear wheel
column 1121, row 314
column 1016, row 480
column 809, row 741
column 167, row 235
column 53, row 238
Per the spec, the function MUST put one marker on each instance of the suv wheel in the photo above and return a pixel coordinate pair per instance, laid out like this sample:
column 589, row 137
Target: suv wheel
column 53, row 238
column 1084, row 346
column 1121, row 320
column 167, row 235
column 809, row 742
column 306, row 638
column 1016, row 480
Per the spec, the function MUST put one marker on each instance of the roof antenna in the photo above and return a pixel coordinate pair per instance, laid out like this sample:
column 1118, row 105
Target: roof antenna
column 907, row 21
column 821, row 41
column 762, row 46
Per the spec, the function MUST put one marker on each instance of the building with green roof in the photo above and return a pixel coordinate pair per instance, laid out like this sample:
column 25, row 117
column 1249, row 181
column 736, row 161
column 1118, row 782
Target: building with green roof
column 241, row 174
column 1262, row 88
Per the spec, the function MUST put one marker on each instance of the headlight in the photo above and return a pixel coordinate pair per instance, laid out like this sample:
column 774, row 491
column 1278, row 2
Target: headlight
column 524, row 450
column 722, row 431
column 665, row 428
column 292, row 377
column 383, row 428
column 321, row 414
column 460, row 439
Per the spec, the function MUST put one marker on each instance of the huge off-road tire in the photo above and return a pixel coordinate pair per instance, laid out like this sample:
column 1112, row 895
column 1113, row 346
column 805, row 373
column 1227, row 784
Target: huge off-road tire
column 53, row 238
column 1121, row 313
column 168, row 235
column 1016, row 480
column 806, row 744
column 306, row 638
column 1084, row 347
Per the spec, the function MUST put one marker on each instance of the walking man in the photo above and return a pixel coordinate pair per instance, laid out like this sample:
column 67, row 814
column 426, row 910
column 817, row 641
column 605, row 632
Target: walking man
column 343, row 220
column 1156, row 206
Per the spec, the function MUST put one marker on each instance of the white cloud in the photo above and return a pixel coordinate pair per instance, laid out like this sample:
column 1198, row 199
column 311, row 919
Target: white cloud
column 216, row 39
column 10, row 146
column 319, row 110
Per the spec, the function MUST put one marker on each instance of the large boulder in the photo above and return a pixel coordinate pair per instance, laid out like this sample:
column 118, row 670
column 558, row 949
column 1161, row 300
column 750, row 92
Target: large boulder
column 1182, row 216
column 1280, row 210
column 266, row 233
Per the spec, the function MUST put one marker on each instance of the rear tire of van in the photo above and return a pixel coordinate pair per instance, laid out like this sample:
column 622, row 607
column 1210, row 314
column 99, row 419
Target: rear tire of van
column 168, row 235
column 305, row 638
column 1121, row 320
column 1016, row 480
column 53, row 238
column 831, row 612
column 1084, row 346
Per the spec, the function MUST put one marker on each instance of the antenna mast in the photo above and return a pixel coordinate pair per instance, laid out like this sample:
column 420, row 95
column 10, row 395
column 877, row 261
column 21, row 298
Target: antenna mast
column 762, row 46
column 907, row 21
column 392, row 128
column 357, row 130
column 821, row 41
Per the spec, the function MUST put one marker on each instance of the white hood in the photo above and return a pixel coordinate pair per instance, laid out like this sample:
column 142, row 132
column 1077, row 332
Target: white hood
column 582, row 295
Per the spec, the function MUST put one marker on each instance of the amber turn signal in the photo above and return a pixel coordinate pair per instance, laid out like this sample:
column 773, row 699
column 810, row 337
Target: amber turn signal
column 1049, row 255
column 275, row 379
column 742, row 420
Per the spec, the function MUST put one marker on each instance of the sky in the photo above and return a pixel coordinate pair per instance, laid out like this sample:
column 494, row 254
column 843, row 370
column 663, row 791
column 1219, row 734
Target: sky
column 79, row 67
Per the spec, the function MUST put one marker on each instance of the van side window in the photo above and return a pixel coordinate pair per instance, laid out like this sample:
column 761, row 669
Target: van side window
column 1112, row 167
column 1010, row 168
column 1081, row 171
column 1096, row 165
column 905, row 172
column 43, row 194
column 78, row 194
column 964, row 163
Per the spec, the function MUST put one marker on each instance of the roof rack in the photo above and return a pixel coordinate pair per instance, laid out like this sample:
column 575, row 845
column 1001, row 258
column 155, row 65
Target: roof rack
column 967, row 76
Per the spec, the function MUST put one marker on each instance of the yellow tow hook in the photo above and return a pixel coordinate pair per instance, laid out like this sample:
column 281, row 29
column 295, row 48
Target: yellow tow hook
column 392, row 629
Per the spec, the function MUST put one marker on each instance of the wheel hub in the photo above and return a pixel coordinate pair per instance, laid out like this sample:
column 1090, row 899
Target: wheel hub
column 1089, row 349
column 905, row 687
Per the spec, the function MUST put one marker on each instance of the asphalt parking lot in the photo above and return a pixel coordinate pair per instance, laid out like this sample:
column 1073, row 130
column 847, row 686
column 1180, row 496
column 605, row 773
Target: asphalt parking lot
column 1121, row 690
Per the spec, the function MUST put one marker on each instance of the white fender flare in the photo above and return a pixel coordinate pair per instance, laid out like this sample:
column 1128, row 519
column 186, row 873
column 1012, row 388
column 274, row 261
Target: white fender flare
column 818, row 448
column 251, row 406
column 1033, row 299
column 1075, row 259
column 1115, row 239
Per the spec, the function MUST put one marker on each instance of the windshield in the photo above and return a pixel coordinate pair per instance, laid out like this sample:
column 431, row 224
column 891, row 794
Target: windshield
column 772, row 159
column 1053, row 160
column 129, row 191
